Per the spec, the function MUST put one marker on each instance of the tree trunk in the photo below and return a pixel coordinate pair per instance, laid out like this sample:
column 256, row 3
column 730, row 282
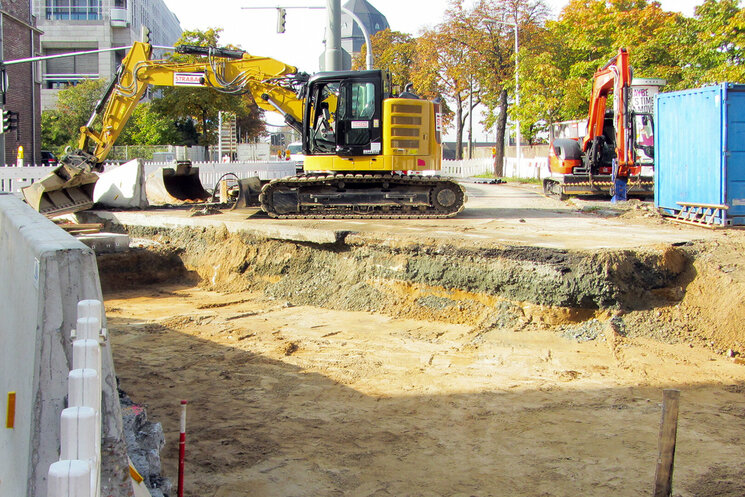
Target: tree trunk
column 501, row 127
column 458, row 128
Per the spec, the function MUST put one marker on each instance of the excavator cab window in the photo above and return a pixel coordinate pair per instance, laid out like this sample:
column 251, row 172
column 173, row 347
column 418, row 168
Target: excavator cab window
column 358, row 117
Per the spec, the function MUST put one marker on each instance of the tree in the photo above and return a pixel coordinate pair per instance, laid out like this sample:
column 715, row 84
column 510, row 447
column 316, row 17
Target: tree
column 441, row 70
column 147, row 126
column 394, row 52
column 717, row 51
column 557, row 71
column 202, row 105
column 490, row 48
column 75, row 104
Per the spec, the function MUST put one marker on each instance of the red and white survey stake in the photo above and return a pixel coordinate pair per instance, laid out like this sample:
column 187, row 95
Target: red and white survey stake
column 182, row 450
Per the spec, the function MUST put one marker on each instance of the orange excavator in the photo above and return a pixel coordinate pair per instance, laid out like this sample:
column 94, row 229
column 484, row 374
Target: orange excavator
column 616, row 154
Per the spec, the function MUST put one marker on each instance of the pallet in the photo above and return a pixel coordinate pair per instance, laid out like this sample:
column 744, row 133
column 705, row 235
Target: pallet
column 707, row 215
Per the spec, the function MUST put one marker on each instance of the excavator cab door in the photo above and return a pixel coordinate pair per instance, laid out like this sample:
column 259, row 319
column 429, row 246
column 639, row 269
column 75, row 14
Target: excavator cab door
column 344, row 114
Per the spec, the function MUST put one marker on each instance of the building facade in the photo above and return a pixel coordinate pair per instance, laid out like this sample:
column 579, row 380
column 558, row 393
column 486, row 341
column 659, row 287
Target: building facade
column 20, row 39
column 84, row 25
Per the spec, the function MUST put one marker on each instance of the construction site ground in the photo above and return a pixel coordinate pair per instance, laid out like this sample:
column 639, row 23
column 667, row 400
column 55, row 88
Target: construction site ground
column 519, row 349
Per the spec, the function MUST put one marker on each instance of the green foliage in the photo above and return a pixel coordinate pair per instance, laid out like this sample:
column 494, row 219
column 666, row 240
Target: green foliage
column 147, row 126
column 75, row 104
column 202, row 106
column 556, row 74
column 394, row 52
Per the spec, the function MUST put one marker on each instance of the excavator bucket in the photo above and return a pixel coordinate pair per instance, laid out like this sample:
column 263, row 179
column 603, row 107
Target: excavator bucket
column 66, row 189
column 175, row 185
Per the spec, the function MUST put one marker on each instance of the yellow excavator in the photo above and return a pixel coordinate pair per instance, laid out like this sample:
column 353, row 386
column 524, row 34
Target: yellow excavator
column 363, row 146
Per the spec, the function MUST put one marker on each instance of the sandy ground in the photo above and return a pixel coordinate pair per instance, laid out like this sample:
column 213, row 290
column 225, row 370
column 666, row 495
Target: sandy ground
column 299, row 401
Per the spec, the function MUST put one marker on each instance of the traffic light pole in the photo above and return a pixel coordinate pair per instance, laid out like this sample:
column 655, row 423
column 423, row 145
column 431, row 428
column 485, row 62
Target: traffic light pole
column 334, row 10
column 3, row 82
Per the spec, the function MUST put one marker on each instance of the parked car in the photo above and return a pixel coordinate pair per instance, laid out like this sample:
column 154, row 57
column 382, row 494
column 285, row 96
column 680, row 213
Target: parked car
column 48, row 158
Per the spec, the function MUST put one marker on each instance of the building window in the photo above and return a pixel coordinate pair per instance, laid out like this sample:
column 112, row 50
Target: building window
column 73, row 10
column 69, row 70
column 120, row 4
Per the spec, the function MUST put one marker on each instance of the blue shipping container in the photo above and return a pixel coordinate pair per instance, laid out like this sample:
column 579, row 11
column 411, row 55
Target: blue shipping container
column 699, row 147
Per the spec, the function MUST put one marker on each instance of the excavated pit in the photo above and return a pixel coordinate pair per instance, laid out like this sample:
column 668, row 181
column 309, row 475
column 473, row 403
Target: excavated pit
column 359, row 367
column 408, row 279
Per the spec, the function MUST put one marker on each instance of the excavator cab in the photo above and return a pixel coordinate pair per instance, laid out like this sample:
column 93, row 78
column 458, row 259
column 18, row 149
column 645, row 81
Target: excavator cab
column 344, row 114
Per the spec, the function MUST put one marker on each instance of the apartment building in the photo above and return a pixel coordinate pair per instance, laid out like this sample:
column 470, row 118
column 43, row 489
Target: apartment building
column 19, row 39
column 84, row 25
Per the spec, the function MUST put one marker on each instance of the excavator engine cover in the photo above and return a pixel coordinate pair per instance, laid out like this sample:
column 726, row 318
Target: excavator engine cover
column 66, row 189
column 175, row 185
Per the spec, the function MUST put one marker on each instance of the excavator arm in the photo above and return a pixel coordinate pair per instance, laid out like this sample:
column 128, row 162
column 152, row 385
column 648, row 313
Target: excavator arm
column 615, row 78
column 273, row 84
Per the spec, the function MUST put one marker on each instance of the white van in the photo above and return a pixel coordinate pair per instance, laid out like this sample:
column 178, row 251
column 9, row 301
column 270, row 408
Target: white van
column 296, row 154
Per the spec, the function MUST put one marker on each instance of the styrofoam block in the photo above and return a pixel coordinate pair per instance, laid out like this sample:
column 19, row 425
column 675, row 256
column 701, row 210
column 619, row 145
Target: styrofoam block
column 90, row 309
column 69, row 478
column 86, row 354
column 88, row 328
column 84, row 389
column 78, row 434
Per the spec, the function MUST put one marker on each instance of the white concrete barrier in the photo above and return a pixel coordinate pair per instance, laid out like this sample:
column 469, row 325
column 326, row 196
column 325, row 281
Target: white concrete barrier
column 70, row 478
column 46, row 272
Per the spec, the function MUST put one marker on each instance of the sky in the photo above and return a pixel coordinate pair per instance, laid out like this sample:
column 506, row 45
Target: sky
column 302, row 44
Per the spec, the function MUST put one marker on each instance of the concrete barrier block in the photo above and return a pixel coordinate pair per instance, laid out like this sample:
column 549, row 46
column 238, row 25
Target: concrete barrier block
column 122, row 187
column 69, row 478
column 46, row 273
column 84, row 389
column 86, row 354
column 78, row 434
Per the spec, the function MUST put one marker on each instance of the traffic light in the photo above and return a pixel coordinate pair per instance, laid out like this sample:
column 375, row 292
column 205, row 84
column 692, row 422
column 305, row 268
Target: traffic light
column 145, row 34
column 10, row 121
column 281, row 15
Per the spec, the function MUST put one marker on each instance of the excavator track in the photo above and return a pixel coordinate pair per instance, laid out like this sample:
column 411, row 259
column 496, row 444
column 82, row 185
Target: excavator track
column 362, row 196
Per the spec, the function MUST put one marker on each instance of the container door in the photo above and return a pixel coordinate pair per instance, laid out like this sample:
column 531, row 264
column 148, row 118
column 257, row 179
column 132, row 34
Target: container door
column 736, row 154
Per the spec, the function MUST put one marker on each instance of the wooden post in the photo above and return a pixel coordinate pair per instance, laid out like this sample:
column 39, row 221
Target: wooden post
column 663, row 479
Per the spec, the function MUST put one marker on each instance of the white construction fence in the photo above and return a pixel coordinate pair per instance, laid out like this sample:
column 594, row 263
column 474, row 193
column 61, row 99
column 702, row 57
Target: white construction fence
column 13, row 178
column 468, row 168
